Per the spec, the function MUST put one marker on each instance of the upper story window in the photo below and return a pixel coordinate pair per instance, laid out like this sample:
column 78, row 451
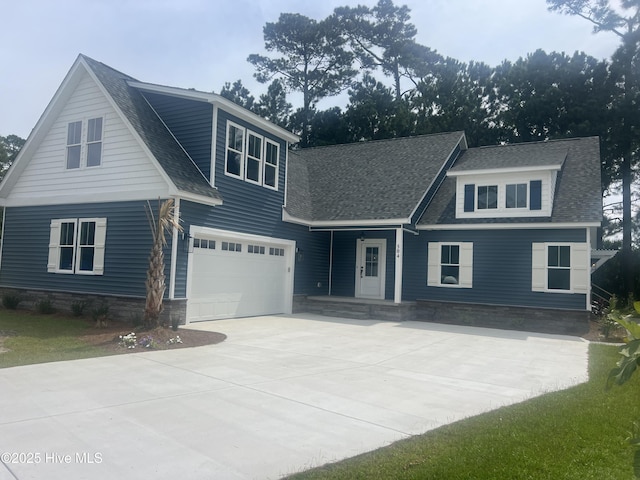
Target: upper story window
column 84, row 143
column 516, row 195
column 251, row 157
column 487, row 197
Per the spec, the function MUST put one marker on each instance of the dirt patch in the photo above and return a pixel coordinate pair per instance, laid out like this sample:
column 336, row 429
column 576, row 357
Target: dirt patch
column 4, row 334
column 161, row 338
column 595, row 334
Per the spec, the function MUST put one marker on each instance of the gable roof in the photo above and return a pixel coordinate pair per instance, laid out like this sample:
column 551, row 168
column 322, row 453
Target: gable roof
column 175, row 162
column 577, row 199
column 380, row 182
column 174, row 165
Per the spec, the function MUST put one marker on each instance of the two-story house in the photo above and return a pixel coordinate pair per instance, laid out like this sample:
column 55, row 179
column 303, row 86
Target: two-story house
column 420, row 227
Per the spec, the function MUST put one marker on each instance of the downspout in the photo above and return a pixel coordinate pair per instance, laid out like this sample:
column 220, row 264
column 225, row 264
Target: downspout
column 174, row 251
column 397, row 295
column 4, row 212
column 330, row 262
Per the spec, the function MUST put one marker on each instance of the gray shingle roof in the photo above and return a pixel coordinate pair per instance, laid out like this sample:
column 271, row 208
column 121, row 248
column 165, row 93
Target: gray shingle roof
column 172, row 158
column 578, row 195
column 377, row 180
column 543, row 154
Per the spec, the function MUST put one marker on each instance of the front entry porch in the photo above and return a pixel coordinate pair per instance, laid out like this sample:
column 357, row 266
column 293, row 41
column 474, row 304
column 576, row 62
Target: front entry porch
column 358, row 308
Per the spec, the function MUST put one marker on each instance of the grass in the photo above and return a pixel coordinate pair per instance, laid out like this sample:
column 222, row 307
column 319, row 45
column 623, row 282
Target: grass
column 579, row 433
column 38, row 338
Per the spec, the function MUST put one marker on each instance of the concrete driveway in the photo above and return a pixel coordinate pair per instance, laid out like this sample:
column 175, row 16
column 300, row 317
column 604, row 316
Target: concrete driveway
column 280, row 395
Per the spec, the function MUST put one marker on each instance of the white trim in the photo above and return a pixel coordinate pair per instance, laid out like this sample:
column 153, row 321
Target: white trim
column 330, row 263
column 392, row 222
column 243, row 154
column 53, row 262
column 214, row 144
column 174, row 250
column 216, row 99
column 493, row 171
column 277, row 165
column 248, row 157
column 399, row 260
column 507, row 226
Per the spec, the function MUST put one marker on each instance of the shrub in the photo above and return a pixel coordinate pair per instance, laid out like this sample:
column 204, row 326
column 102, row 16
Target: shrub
column 100, row 314
column 78, row 307
column 11, row 300
column 45, row 306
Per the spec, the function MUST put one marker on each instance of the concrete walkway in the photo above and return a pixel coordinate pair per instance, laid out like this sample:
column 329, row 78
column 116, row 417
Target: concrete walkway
column 280, row 395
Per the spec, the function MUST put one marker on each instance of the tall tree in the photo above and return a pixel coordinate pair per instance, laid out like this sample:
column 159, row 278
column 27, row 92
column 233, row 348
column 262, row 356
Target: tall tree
column 9, row 148
column 623, row 20
column 239, row 94
column 373, row 113
column 274, row 106
column 383, row 37
column 313, row 61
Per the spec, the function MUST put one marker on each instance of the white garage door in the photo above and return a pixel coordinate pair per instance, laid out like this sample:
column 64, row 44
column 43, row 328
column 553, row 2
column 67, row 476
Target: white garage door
column 237, row 277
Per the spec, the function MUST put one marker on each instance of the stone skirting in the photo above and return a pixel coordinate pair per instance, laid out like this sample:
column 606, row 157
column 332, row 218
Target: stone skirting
column 357, row 308
column 542, row 320
column 120, row 308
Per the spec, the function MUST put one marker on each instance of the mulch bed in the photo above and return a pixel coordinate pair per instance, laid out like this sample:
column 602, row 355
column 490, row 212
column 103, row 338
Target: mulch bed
column 109, row 337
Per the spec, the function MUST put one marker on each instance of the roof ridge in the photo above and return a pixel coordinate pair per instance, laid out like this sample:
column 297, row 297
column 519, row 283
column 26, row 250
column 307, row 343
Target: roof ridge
column 104, row 65
column 537, row 142
column 380, row 140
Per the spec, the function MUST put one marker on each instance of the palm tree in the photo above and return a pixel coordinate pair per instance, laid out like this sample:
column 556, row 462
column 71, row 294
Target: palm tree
column 165, row 221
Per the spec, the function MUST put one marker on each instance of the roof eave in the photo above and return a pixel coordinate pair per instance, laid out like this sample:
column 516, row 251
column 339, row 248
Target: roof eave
column 507, row 225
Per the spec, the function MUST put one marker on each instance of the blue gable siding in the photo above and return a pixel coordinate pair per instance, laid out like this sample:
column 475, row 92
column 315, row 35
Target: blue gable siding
column 128, row 244
column 501, row 268
column 191, row 123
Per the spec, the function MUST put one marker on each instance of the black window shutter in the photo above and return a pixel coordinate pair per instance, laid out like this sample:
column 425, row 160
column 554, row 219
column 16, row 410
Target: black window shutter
column 469, row 197
column 535, row 195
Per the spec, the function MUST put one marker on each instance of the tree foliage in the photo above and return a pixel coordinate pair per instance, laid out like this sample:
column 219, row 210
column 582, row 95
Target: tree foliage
column 621, row 18
column 313, row 60
column 10, row 146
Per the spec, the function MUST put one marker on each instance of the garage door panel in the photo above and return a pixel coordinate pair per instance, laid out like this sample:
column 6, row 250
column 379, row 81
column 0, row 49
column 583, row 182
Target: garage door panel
column 229, row 283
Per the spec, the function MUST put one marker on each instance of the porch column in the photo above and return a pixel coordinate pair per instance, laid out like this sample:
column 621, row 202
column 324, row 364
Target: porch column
column 397, row 295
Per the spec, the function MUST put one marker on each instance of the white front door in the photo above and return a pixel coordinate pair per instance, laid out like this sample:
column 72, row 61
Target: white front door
column 370, row 267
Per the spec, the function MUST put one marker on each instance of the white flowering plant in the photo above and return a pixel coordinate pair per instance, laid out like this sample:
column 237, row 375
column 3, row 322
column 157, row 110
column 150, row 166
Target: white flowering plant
column 174, row 340
column 128, row 341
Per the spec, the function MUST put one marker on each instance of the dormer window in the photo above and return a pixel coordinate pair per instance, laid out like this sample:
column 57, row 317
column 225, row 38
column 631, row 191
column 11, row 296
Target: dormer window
column 487, row 197
column 516, row 195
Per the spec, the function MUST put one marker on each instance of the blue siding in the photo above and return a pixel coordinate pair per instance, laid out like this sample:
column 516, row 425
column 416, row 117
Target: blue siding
column 190, row 122
column 344, row 262
column 312, row 269
column 501, row 268
column 128, row 244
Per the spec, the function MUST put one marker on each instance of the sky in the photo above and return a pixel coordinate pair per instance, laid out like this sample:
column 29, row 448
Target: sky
column 202, row 44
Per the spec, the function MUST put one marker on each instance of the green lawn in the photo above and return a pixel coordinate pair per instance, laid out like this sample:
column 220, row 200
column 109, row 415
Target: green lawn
column 34, row 338
column 576, row 434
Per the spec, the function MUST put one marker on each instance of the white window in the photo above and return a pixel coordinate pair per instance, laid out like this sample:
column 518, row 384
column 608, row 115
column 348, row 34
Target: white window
column 272, row 153
column 74, row 144
column 234, row 164
column 76, row 246
column 560, row 267
column 84, row 145
column 487, row 197
column 94, row 142
column 450, row 264
column 251, row 157
column 254, row 158
column 516, row 195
